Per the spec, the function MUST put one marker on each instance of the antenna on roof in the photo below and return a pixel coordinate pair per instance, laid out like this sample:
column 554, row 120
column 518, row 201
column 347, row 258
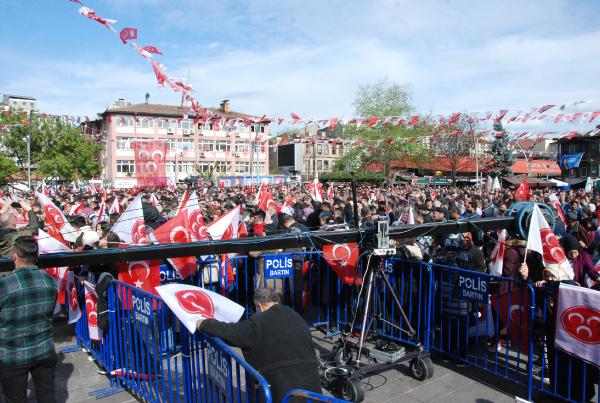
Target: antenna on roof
column 147, row 97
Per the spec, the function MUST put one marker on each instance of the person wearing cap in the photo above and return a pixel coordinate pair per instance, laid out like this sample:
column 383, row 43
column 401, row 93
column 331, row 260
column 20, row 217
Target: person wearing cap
column 581, row 262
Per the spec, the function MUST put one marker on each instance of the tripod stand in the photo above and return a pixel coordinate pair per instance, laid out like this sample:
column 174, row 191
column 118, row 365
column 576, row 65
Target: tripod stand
column 341, row 371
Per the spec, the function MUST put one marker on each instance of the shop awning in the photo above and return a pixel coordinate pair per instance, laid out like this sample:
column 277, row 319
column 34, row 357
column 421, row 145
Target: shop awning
column 536, row 167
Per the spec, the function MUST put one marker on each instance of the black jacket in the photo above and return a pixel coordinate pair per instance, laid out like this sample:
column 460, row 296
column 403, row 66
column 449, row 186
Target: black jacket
column 278, row 344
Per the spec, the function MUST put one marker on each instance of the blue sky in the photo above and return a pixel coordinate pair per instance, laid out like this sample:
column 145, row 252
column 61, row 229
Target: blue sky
column 275, row 57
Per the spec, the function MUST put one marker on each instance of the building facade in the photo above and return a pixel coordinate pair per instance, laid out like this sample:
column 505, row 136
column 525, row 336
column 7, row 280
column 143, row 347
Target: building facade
column 589, row 145
column 224, row 143
column 19, row 103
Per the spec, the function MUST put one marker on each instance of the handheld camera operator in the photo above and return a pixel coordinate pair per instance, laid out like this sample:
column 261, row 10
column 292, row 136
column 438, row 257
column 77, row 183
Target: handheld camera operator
column 277, row 342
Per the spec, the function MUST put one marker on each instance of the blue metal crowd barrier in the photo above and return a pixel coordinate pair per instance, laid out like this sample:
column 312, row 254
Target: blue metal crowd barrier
column 502, row 326
column 299, row 395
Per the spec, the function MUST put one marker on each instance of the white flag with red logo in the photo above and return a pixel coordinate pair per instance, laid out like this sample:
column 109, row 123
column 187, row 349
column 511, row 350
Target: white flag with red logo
column 330, row 194
column 73, row 300
column 153, row 200
column 226, row 227
column 115, row 207
column 578, row 322
column 497, row 261
column 541, row 239
column 130, row 226
column 315, row 189
column 556, row 203
column 196, row 223
column 56, row 223
column 91, row 301
column 176, row 230
column 191, row 303
column 343, row 259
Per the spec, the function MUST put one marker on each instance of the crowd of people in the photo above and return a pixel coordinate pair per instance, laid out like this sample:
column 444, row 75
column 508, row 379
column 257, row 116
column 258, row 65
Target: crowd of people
column 296, row 210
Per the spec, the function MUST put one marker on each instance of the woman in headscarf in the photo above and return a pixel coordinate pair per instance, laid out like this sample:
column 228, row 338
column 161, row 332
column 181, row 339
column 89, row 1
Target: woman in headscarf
column 581, row 262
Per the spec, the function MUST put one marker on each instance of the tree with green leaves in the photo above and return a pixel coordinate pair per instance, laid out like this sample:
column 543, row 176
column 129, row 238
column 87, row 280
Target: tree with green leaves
column 383, row 144
column 57, row 148
column 502, row 156
column 7, row 168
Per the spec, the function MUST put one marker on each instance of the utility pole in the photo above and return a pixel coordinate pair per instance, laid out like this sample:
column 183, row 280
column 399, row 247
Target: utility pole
column 29, row 152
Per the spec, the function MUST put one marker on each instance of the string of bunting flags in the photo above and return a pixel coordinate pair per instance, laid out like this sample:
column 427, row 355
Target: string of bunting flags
column 549, row 113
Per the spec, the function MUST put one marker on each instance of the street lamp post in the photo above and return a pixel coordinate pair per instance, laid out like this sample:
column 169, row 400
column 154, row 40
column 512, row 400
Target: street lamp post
column 29, row 151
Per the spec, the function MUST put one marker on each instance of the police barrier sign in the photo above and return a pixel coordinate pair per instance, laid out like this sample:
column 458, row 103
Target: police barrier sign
column 473, row 287
column 142, row 310
column 279, row 266
column 219, row 366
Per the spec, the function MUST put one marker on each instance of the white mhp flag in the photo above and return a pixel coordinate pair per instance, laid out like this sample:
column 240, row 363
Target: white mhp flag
column 191, row 304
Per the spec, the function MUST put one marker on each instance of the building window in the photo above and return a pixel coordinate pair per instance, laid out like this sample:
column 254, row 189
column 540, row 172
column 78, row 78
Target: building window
column 123, row 143
column 170, row 167
column 163, row 123
column 319, row 165
column 203, row 166
column 325, row 149
column 144, row 122
column 185, row 166
column 206, row 145
column 262, row 129
column 171, row 144
column 326, row 165
column 185, row 144
column 572, row 149
column 125, row 166
column 186, row 124
column 242, row 147
column 319, row 149
column 242, row 167
column 258, row 168
column 333, row 149
column 223, row 145
column 594, row 170
column 124, row 121
column 584, row 171
column 222, row 166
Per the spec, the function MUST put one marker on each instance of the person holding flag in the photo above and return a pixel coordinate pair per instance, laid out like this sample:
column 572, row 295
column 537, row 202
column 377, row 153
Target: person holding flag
column 265, row 340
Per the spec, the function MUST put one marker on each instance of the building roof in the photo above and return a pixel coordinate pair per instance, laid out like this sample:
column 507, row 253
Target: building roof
column 20, row 97
column 168, row 110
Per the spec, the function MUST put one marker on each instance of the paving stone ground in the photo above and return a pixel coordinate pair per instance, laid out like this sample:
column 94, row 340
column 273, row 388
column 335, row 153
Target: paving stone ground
column 76, row 376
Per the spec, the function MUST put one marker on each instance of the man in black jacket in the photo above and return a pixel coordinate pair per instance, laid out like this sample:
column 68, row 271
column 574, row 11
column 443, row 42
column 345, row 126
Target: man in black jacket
column 276, row 342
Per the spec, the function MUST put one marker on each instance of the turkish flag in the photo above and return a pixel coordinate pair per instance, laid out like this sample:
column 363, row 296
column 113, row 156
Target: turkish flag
column 91, row 301
column 523, row 192
column 73, row 299
column 315, row 189
column 578, row 322
column 152, row 49
column 142, row 274
column 514, row 310
column 372, row 122
column 191, row 303
column 56, row 223
column 59, row 274
column 556, row 203
column 197, row 227
column 177, row 230
column 264, row 198
column 295, row 117
column 343, row 259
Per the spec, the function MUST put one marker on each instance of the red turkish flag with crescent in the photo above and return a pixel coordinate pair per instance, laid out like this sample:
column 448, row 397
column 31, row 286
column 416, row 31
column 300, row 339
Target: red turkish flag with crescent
column 91, row 301
column 343, row 259
column 191, row 304
column 150, row 159
column 523, row 192
column 128, row 34
column 143, row 275
column 514, row 310
column 578, row 322
column 177, row 230
column 264, row 198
